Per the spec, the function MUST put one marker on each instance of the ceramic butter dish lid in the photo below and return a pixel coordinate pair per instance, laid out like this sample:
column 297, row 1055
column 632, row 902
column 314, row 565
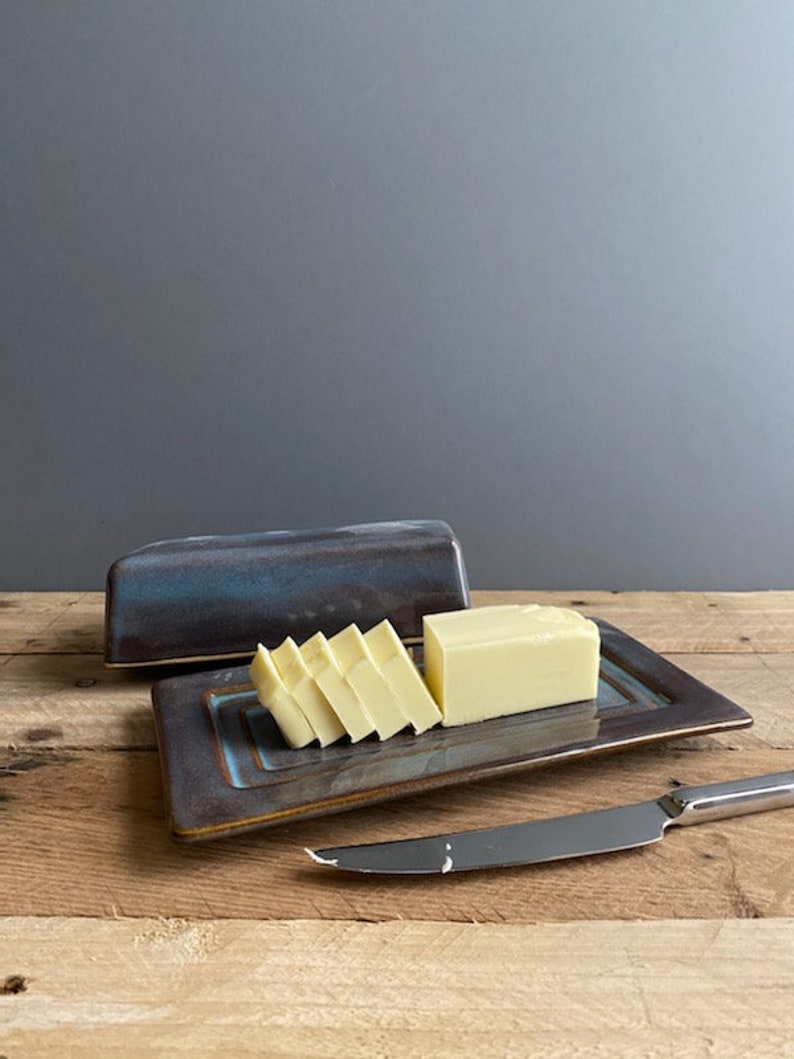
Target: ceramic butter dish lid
column 216, row 597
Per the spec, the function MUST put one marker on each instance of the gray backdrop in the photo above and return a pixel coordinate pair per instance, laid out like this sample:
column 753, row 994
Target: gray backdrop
column 525, row 266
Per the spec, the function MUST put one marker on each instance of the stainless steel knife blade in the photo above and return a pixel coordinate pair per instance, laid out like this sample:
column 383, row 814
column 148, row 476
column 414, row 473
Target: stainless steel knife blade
column 557, row 838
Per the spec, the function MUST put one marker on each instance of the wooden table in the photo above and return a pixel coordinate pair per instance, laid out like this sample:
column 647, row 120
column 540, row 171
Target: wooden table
column 116, row 941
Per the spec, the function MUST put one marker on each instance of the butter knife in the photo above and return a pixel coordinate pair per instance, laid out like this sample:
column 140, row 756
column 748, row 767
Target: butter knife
column 557, row 838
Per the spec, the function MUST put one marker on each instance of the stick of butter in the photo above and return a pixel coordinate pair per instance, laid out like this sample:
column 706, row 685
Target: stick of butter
column 494, row 661
column 271, row 689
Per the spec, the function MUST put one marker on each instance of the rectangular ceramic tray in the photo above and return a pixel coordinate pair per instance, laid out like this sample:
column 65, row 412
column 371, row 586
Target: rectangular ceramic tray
column 227, row 770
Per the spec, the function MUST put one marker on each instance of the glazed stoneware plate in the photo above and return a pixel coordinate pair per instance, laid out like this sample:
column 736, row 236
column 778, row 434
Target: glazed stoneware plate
column 227, row 770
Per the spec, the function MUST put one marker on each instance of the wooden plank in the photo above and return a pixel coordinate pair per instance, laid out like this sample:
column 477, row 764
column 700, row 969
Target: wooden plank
column 747, row 622
column 73, row 700
column 171, row 987
column 52, row 622
column 84, row 834
column 763, row 684
column 672, row 622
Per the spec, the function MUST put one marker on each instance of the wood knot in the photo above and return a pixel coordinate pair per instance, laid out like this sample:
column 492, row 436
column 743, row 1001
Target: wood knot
column 14, row 983
column 40, row 735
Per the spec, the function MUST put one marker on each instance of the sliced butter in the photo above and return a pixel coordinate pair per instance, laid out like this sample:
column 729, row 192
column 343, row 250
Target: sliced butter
column 300, row 683
column 494, row 661
column 402, row 676
column 348, row 707
column 358, row 666
column 273, row 693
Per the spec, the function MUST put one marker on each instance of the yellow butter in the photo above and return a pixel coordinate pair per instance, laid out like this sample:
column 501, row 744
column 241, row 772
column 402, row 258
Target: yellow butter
column 273, row 694
column 300, row 683
column 354, row 659
column 349, row 708
column 494, row 661
column 402, row 676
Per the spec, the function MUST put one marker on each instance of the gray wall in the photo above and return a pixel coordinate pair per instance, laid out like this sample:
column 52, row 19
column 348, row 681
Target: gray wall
column 525, row 266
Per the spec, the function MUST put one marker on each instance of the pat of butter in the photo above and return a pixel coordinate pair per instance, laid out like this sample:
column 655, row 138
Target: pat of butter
column 300, row 683
column 273, row 694
column 402, row 676
column 494, row 661
column 348, row 707
column 358, row 666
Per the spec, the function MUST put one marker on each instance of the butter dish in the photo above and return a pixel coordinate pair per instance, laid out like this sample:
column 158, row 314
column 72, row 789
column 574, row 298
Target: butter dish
column 227, row 770
column 210, row 598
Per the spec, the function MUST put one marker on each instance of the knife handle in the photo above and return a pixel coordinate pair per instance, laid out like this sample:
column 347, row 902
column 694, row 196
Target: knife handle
column 696, row 805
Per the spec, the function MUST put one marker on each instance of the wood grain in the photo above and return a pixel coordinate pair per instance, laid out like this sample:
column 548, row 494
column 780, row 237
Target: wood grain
column 52, row 622
column 673, row 622
column 84, row 834
column 669, row 622
column 72, row 700
column 689, row 990
column 118, row 941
